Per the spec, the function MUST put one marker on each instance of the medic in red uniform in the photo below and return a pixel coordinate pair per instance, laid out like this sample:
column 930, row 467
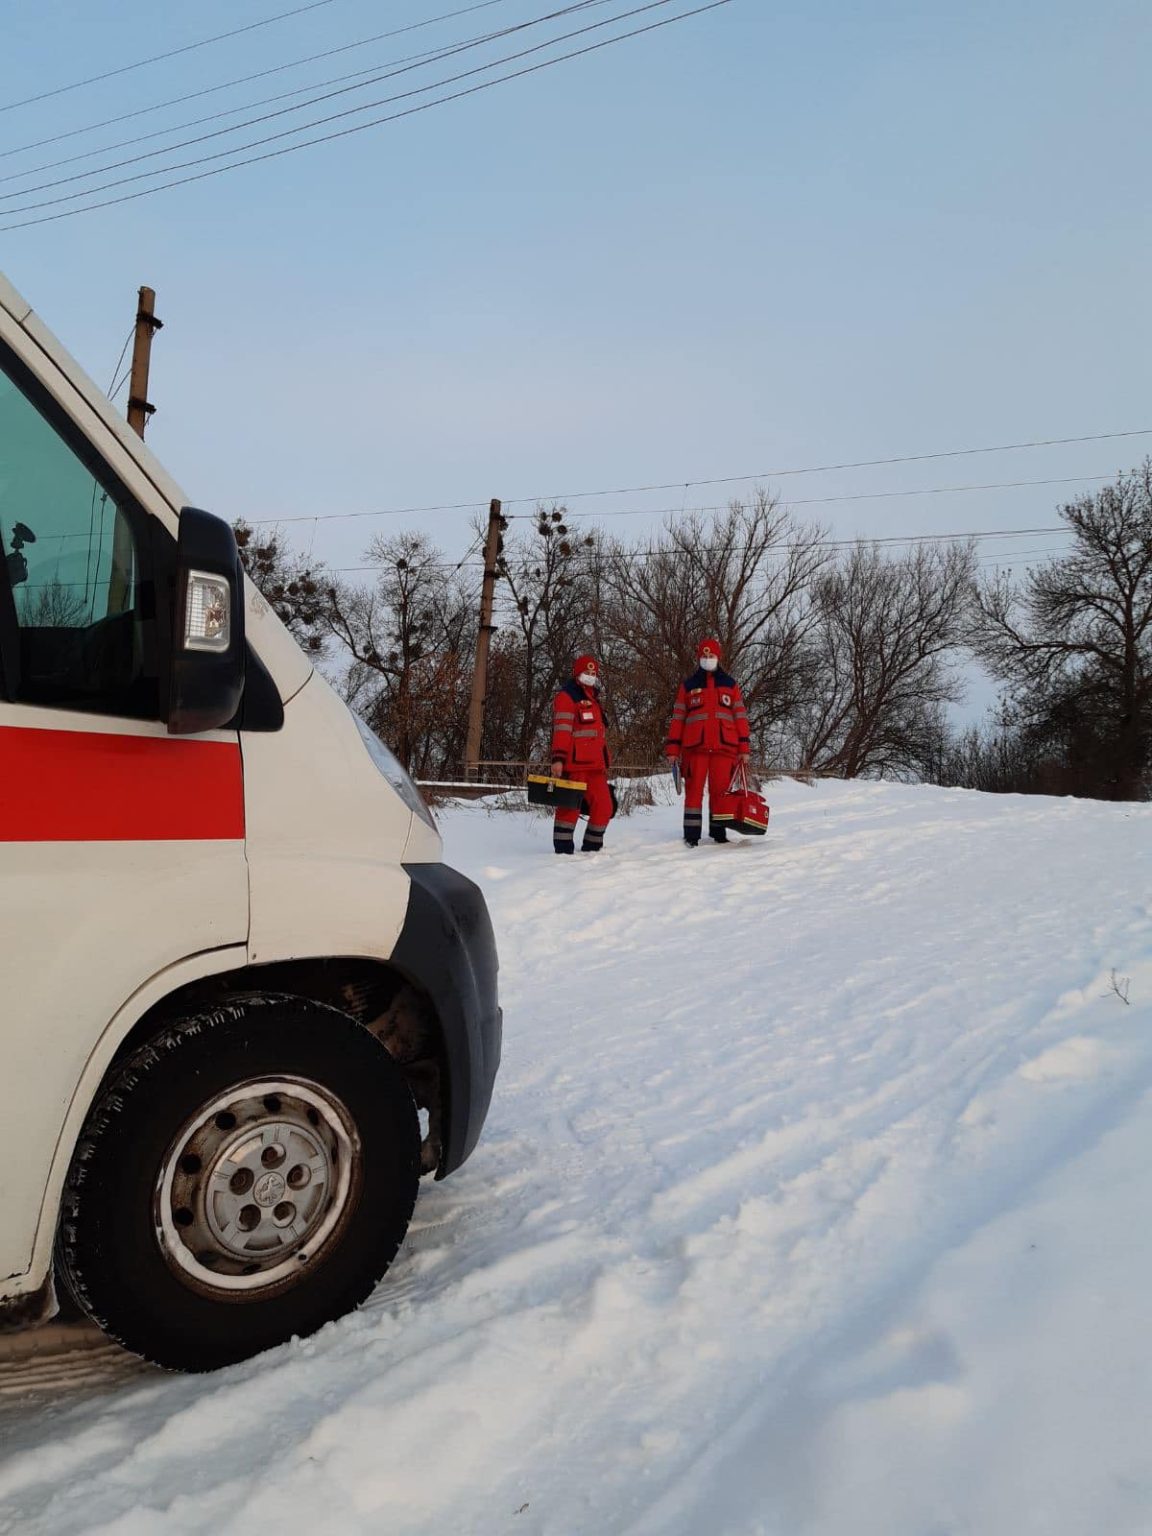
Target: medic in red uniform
column 708, row 736
column 580, row 751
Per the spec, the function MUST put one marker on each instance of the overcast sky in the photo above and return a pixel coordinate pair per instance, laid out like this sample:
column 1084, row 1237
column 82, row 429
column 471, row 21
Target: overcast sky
column 770, row 236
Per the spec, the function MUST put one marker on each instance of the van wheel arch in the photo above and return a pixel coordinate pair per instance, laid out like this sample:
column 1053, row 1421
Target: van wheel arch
column 374, row 993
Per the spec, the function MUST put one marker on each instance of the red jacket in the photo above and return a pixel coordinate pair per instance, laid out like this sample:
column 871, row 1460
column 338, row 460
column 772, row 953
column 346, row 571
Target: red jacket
column 709, row 716
column 578, row 729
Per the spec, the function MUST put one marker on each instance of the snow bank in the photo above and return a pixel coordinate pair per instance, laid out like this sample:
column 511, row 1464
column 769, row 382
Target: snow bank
column 812, row 1202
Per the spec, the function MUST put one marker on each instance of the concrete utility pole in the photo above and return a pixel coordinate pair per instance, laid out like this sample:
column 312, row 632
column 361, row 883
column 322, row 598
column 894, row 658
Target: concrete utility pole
column 483, row 642
column 139, row 407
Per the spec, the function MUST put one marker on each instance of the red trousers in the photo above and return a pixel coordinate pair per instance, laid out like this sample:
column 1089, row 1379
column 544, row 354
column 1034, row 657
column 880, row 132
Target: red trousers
column 714, row 770
column 599, row 798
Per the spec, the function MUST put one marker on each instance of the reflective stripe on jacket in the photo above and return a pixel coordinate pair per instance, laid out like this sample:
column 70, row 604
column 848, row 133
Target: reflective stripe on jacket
column 578, row 728
column 708, row 716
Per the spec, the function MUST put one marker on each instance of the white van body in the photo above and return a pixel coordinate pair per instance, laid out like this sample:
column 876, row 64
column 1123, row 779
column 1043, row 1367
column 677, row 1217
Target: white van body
column 149, row 873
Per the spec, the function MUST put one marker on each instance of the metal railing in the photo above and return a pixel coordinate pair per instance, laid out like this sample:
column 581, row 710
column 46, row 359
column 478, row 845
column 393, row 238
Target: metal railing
column 497, row 775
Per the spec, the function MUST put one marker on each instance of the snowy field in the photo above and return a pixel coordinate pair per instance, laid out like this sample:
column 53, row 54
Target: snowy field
column 814, row 1202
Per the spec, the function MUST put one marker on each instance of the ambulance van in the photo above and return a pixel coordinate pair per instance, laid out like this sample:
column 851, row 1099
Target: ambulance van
column 244, row 1005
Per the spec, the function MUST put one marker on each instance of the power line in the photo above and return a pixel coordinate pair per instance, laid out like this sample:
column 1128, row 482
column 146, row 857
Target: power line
column 157, row 58
column 262, row 74
column 915, row 540
column 1009, row 557
column 816, row 501
column 471, row 550
column 1014, row 556
column 386, row 72
column 941, row 538
column 329, row 517
column 820, row 469
column 117, row 382
column 287, row 133
column 429, row 56
column 978, row 535
column 886, row 540
column 362, row 127
column 470, row 506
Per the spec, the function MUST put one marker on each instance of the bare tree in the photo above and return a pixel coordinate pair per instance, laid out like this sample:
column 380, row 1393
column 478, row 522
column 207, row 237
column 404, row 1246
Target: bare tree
column 845, row 664
column 295, row 588
column 882, row 654
column 1073, row 643
column 54, row 605
column 547, row 617
column 998, row 758
column 744, row 578
column 410, row 637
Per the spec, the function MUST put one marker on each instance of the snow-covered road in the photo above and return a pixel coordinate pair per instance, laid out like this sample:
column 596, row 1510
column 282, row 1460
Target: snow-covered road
column 813, row 1203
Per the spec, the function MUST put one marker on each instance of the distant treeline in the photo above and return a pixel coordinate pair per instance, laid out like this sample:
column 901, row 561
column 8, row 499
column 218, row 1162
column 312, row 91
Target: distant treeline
column 848, row 656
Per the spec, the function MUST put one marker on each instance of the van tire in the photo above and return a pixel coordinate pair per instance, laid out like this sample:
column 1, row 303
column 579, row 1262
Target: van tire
column 298, row 1081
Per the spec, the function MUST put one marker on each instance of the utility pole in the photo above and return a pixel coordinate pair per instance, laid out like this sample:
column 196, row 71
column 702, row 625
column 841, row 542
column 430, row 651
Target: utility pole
column 483, row 642
column 139, row 410
column 139, row 407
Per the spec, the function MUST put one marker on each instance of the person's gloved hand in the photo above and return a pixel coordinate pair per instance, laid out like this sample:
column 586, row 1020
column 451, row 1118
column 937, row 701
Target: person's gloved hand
column 677, row 776
column 557, row 767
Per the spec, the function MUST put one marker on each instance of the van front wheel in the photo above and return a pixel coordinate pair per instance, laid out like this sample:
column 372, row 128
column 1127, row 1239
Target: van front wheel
column 246, row 1176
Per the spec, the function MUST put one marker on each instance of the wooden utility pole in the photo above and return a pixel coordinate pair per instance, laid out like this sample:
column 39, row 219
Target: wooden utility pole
column 483, row 642
column 139, row 406
column 139, row 410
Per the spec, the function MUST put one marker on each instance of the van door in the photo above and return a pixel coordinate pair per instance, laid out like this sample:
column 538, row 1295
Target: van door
column 121, row 848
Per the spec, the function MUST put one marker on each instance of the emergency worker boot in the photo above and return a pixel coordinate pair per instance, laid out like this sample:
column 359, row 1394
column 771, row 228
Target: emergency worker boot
column 693, row 821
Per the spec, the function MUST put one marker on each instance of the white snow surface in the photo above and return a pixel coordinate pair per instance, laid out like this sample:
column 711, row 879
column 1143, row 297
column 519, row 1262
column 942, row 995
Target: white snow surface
column 813, row 1202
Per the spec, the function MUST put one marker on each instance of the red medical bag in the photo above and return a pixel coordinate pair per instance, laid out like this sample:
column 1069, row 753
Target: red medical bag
column 750, row 810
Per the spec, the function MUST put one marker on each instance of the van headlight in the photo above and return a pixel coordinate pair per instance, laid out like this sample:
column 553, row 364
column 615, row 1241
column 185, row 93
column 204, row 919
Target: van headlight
column 394, row 771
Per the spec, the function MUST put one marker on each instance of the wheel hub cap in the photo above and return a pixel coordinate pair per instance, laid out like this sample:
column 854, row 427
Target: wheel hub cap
column 268, row 1189
column 255, row 1185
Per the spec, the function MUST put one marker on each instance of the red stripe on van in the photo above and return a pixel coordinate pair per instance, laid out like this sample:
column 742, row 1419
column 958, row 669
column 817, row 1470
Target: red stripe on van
column 87, row 787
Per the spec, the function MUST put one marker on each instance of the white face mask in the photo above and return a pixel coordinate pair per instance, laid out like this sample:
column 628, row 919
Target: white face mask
column 589, row 679
column 709, row 663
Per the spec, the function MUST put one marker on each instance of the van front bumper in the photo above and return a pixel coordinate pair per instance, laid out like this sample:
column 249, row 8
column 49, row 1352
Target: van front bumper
column 447, row 948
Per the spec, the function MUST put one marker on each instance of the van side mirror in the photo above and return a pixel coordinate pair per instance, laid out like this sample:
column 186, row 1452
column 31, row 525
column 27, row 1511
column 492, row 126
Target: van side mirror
column 207, row 677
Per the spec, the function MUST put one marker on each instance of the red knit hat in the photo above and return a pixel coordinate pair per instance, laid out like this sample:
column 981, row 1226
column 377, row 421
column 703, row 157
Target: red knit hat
column 708, row 648
column 585, row 664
